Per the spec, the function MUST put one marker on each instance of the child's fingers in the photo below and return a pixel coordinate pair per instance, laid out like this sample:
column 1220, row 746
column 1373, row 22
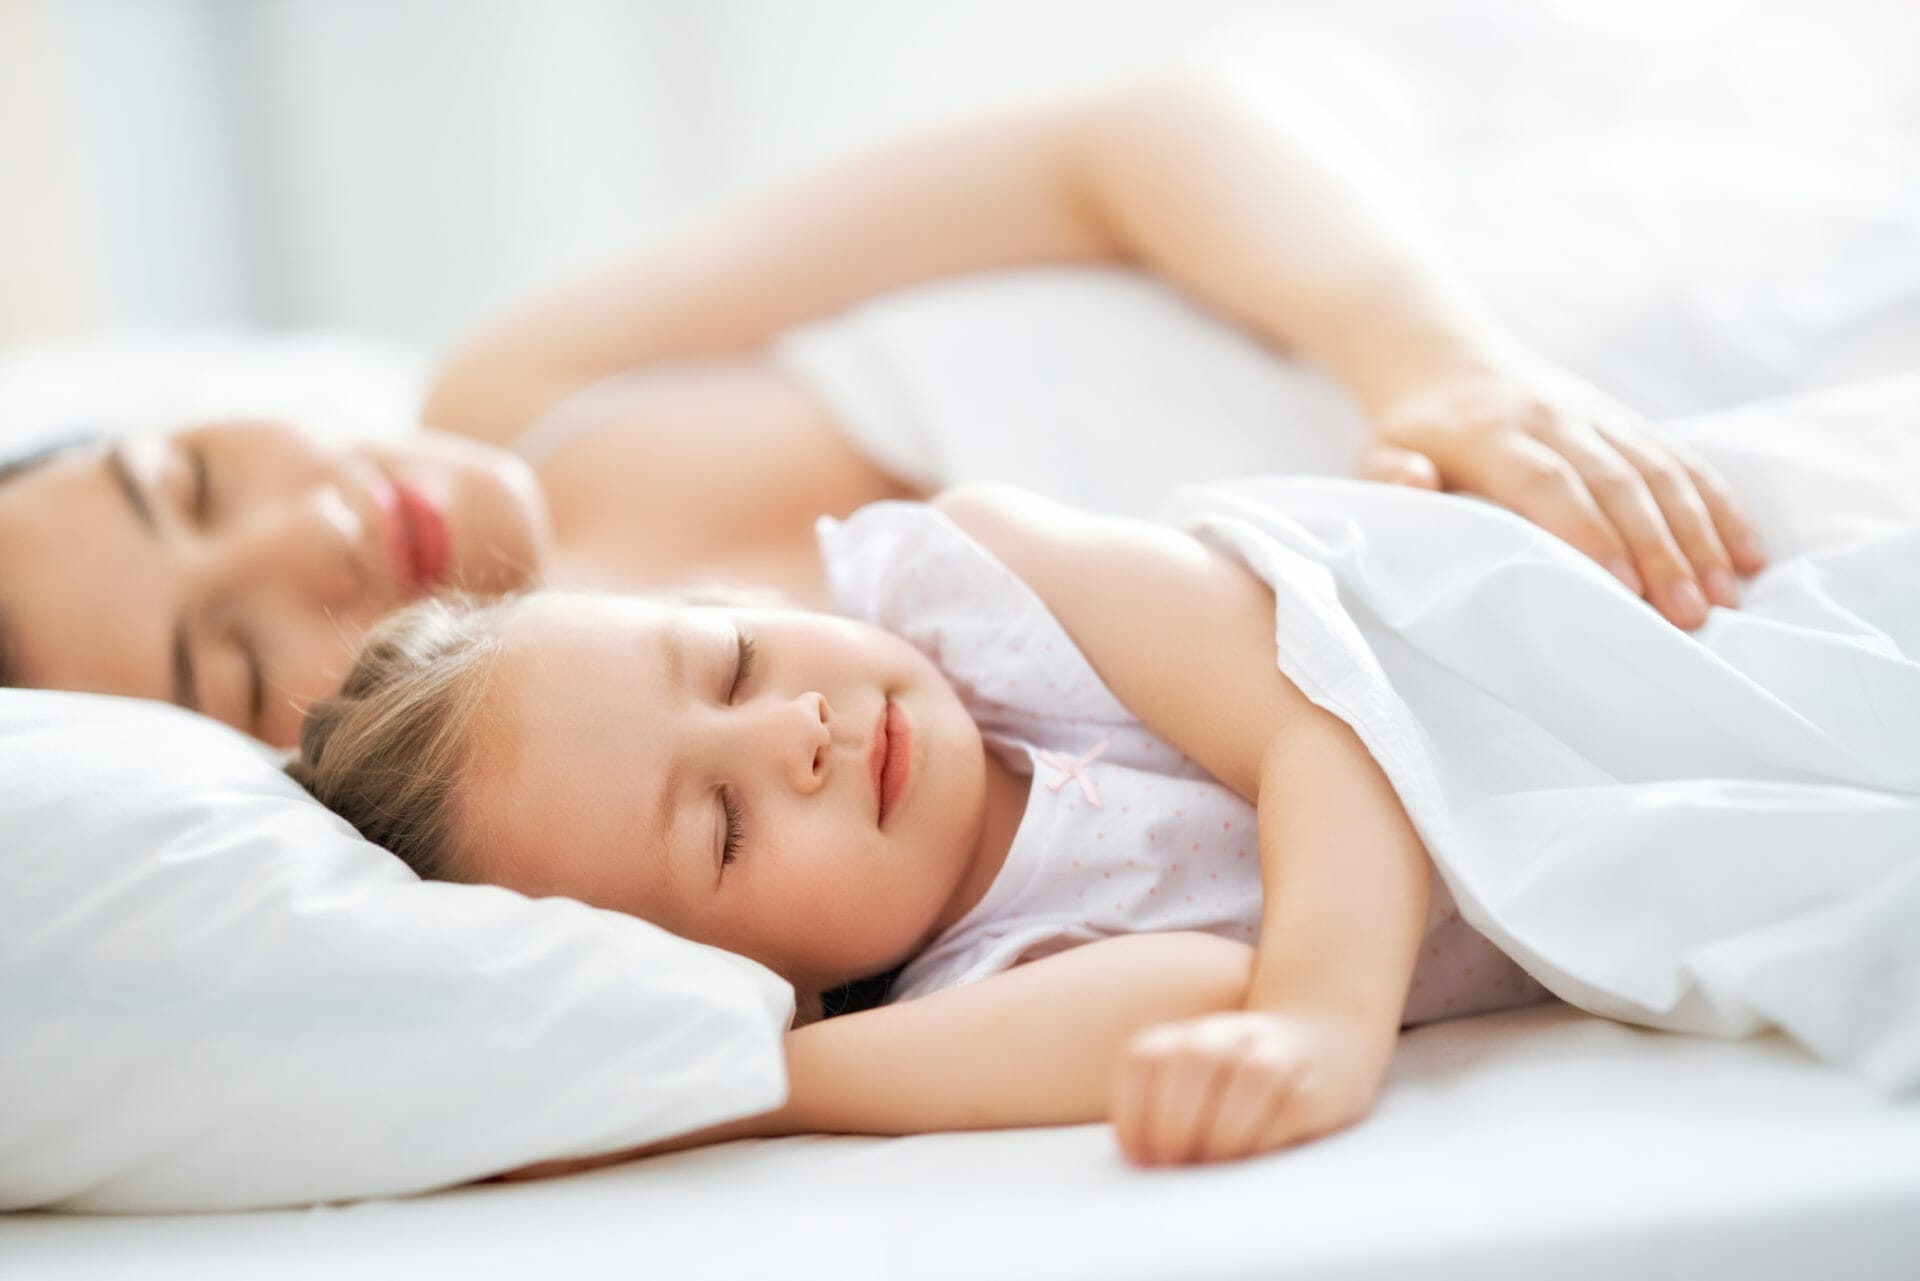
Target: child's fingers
column 1131, row 1106
column 1168, row 1086
column 1256, row 1088
column 1152, row 1094
column 1185, row 1091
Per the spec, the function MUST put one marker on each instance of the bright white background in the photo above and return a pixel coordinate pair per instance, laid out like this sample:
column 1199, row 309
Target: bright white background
column 396, row 167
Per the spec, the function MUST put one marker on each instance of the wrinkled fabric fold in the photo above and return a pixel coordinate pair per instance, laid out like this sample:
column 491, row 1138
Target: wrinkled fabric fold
column 1713, row 833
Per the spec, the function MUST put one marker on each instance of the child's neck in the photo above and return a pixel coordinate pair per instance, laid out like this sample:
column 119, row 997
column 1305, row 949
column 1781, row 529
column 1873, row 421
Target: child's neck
column 1003, row 806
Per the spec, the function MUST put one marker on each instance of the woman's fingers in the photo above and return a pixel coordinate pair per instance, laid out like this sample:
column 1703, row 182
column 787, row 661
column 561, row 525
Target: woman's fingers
column 1666, row 531
column 1542, row 484
column 1392, row 465
column 1568, row 458
column 1622, row 498
column 1709, row 569
column 1737, row 533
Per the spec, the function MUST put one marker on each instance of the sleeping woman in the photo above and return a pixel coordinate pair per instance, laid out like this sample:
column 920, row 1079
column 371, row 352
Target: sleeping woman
column 231, row 567
column 1043, row 772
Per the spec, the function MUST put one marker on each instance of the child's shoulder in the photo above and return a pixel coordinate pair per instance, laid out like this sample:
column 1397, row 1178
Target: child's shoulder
column 894, row 554
column 915, row 570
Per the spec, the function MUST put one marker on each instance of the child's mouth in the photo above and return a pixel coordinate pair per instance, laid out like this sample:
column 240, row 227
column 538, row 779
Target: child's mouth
column 888, row 758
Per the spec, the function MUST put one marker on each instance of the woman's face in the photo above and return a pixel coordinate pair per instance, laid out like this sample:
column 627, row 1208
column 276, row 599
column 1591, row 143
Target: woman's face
column 629, row 758
column 231, row 567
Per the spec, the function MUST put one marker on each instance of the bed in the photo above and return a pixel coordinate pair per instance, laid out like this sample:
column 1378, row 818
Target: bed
column 1535, row 1142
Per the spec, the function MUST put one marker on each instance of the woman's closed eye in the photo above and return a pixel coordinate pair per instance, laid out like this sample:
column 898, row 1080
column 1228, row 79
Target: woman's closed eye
column 202, row 490
column 198, row 505
column 197, row 502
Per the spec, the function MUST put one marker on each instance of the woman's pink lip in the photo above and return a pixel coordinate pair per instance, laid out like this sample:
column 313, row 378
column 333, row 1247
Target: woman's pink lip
column 398, row 539
column 421, row 550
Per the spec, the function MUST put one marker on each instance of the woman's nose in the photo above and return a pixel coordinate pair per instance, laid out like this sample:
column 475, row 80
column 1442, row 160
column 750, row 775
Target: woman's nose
column 310, row 547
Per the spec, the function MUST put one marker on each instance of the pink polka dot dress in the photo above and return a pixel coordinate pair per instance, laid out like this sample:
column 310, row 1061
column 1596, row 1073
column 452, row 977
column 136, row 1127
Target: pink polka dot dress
column 1122, row 834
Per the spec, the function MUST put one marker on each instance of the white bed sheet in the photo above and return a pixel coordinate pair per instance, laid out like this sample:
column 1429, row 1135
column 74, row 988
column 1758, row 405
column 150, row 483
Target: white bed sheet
column 1539, row 1142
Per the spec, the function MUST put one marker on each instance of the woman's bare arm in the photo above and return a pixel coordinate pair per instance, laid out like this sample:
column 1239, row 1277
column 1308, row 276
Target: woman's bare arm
column 1256, row 204
column 1255, row 208
column 1037, row 1045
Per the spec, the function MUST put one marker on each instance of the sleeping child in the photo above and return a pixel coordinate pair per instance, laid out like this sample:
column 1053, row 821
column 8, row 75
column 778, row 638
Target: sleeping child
column 1174, row 827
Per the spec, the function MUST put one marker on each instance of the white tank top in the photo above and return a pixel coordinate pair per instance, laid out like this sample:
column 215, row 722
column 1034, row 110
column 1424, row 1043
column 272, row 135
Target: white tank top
column 1122, row 834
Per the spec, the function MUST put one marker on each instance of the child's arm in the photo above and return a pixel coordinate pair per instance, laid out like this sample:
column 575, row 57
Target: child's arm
column 1184, row 637
column 1037, row 1045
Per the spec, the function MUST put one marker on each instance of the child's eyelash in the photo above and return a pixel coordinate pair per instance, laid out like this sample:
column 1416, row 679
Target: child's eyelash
column 731, row 809
column 743, row 665
column 742, row 669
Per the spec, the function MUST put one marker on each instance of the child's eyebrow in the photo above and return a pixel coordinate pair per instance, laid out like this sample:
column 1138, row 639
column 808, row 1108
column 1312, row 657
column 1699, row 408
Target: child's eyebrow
column 665, row 808
column 676, row 661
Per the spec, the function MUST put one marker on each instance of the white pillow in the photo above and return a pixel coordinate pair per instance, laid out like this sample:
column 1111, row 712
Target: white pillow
column 215, row 996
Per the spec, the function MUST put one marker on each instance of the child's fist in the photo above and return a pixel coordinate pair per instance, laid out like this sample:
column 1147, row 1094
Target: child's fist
column 1232, row 1085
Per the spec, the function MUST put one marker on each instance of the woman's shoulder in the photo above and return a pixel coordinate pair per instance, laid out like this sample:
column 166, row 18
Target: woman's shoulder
column 695, row 462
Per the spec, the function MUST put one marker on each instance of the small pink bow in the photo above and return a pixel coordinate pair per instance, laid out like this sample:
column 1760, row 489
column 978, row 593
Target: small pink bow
column 1070, row 769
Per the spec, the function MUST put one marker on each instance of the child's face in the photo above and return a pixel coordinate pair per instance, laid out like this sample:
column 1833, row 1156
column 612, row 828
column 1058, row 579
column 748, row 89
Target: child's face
column 619, row 734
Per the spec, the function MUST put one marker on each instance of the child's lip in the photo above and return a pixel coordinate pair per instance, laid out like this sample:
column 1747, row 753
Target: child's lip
column 896, row 762
column 877, row 762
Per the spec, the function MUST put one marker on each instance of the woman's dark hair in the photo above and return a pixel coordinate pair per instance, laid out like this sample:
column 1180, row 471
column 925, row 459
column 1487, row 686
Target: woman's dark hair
column 48, row 450
column 65, row 443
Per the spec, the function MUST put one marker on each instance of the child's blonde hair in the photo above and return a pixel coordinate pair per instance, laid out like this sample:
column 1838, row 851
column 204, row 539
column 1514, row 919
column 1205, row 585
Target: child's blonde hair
column 389, row 751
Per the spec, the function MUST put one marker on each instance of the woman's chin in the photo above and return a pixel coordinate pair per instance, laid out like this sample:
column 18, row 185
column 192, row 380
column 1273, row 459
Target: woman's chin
column 499, row 532
column 515, row 547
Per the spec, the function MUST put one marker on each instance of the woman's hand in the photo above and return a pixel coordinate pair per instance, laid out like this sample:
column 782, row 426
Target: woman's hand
column 1228, row 1086
column 1561, row 453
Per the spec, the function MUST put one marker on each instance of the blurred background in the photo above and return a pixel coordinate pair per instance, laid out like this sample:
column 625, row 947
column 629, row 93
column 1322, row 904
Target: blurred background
column 395, row 168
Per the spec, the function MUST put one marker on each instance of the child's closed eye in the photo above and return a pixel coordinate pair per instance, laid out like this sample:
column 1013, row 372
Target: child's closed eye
column 743, row 662
column 735, row 828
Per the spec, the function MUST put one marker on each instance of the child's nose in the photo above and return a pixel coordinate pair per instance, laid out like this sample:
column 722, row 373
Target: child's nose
column 812, row 720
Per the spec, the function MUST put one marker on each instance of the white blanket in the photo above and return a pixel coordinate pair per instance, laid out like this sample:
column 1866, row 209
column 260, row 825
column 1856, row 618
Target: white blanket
column 1711, row 833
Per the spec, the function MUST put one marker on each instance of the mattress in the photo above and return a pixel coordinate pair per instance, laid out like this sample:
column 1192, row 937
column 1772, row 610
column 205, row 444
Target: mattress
column 1537, row 1142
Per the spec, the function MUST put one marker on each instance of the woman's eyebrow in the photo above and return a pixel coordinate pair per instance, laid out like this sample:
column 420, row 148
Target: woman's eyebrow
column 186, row 685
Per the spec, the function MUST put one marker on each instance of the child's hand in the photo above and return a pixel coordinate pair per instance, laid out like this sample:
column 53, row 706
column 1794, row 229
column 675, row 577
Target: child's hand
column 1232, row 1085
column 1558, row 451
